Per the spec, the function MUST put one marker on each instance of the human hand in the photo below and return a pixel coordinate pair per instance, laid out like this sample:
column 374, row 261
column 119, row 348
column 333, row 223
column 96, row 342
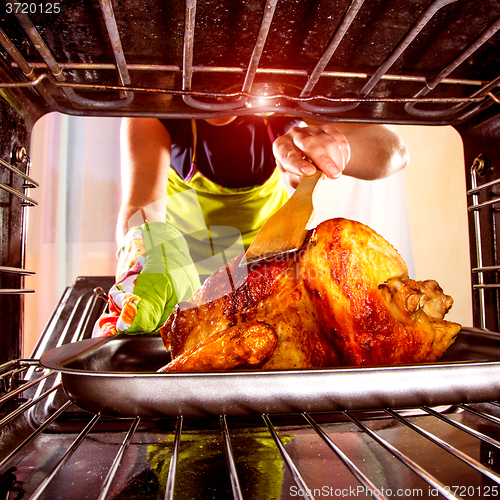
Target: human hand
column 301, row 150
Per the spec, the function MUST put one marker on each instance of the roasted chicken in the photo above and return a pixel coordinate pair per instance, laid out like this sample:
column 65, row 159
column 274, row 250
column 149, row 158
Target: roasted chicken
column 344, row 299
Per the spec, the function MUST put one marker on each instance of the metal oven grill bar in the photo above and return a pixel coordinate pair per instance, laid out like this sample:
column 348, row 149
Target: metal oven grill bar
column 329, row 105
column 366, row 482
column 489, row 202
column 20, row 192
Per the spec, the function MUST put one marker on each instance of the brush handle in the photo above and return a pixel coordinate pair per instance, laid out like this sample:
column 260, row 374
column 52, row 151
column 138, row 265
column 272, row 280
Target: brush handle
column 308, row 185
column 285, row 231
column 304, row 194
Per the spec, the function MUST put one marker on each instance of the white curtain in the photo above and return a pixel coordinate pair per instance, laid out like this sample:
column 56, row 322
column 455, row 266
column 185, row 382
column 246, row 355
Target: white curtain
column 380, row 204
column 72, row 231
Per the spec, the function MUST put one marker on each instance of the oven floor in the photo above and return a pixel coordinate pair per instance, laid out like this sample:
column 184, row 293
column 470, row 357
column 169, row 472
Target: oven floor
column 202, row 466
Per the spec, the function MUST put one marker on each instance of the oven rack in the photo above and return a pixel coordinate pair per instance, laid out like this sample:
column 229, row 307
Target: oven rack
column 51, row 78
column 465, row 418
column 19, row 191
column 483, row 201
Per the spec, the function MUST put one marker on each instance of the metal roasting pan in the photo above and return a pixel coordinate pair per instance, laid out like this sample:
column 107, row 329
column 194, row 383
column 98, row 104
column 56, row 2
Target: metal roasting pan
column 117, row 376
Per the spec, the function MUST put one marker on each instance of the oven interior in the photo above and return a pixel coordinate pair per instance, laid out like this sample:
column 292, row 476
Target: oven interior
column 372, row 61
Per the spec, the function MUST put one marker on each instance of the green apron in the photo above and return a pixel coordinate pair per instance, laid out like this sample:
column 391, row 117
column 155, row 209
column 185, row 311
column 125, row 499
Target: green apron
column 218, row 222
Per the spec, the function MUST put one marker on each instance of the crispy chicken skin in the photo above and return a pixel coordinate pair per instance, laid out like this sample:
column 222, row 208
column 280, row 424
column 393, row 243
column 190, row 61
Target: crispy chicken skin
column 247, row 345
column 344, row 299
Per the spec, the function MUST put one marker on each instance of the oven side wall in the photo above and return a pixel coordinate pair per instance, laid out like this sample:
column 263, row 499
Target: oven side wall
column 481, row 140
column 14, row 133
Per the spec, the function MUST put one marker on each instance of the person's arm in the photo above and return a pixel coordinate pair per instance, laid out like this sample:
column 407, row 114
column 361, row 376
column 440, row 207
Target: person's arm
column 365, row 151
column 145, row 158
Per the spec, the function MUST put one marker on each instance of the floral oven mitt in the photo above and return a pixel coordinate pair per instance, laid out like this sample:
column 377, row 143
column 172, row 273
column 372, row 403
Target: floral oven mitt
column 155, row 272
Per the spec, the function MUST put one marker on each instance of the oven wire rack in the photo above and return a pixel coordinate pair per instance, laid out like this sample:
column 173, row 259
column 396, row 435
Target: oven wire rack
column 15, row 381
column 53, row 74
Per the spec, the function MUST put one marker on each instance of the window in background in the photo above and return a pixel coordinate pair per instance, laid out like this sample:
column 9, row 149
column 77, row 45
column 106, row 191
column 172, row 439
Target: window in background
column 71, row 232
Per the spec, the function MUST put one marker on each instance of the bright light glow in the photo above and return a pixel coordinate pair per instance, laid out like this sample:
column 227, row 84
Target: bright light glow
column 262, row 96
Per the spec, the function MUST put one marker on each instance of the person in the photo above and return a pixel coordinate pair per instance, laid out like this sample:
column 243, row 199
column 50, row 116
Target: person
column 234, row 165
column 196, row 192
